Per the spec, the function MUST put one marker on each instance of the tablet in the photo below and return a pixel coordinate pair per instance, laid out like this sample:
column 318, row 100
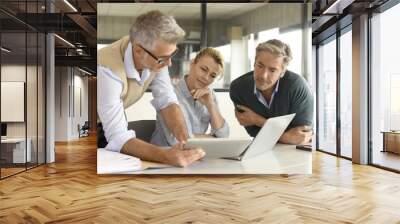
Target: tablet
column 220, row 147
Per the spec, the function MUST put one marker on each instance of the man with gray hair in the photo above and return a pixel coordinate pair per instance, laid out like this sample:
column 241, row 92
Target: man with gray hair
column 126, row 68
column 270, row 91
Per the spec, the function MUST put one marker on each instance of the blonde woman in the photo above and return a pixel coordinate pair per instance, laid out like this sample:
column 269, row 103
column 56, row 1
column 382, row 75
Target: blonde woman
column 197, row 101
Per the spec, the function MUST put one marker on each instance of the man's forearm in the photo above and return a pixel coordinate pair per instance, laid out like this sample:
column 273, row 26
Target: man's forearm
column 143, row 150
column 173, row 118
column 294, row 138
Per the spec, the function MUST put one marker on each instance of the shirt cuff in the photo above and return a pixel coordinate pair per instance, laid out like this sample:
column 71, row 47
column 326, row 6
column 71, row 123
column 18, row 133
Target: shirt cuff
column 160, row 104
column 222, row 132
column 117, row 142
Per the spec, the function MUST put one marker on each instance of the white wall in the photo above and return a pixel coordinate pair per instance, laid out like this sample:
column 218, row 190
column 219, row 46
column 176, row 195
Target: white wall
column 79, row 117
column 69, row 86
column 61, row 103
column 82, row 83
column 143, row 110
column 12, row 101
column 16, row 73
column 33, row 126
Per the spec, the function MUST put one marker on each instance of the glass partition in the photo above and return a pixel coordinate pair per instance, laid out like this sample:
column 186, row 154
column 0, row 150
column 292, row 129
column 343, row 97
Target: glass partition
column 22, row 88
column 13, row 103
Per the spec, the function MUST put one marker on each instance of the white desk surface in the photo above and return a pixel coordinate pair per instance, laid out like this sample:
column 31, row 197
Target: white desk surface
column 13, row 140
column 283, row 159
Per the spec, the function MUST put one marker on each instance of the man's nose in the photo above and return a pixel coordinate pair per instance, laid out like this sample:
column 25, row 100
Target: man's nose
column 264, row 74
column 169, row 62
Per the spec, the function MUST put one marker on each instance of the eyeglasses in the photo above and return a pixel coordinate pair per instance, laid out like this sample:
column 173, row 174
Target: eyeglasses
column 160, row 61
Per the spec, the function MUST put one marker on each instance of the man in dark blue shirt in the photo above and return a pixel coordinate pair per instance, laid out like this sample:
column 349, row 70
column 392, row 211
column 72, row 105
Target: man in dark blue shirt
column 270, row 91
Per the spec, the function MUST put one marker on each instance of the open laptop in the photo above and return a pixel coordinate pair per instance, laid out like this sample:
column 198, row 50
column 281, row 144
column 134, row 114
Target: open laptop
column 243, row 148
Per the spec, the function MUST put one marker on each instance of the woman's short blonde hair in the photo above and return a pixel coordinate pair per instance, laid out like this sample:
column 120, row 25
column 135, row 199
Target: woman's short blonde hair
column 214, row 54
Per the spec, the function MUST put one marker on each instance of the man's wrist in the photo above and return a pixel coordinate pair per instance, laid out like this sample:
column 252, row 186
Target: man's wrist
column 285, row 137
column 163, row 155
column 260, row 121
column 180, row 135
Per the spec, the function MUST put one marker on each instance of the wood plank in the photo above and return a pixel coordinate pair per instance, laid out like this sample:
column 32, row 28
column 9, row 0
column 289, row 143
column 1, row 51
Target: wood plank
column 70, row 191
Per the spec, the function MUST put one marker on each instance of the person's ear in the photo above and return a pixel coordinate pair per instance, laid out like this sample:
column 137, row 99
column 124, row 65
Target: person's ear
column 137, row 50
column 283, row 73
column 221, row 74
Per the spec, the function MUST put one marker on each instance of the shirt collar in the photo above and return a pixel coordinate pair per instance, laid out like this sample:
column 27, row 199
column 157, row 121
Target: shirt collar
column 261, row 98
column 275, row 90
column 130, row 69
column 184, row 88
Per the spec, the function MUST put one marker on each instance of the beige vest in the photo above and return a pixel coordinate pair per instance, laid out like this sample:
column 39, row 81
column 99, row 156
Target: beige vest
column 112, row 57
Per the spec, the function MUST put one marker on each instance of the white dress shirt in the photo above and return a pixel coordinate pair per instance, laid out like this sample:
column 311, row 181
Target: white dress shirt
column 110, row 106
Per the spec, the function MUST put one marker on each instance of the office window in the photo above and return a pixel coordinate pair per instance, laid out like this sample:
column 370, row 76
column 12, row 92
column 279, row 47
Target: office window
column 327, row 96
column 225, row 51
column 346, row 94
column 385, row 84
column 244, row 51
column 291, row 37
column 314, row 87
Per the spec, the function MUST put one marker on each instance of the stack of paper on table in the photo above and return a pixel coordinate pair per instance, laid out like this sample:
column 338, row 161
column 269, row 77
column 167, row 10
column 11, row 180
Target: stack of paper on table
column 109, row 162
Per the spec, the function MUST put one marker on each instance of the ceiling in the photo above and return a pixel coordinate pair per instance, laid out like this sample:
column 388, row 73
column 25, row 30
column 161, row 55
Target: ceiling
column 73, row 20
column 333, row 15
column 179, row 10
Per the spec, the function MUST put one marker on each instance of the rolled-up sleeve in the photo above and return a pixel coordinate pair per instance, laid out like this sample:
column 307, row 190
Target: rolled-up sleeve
column 162, row 90
column 111, row 110
column 222, row 132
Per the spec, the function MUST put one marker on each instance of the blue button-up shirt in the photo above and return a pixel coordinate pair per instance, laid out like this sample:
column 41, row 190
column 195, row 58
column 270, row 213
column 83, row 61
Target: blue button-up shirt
column 196, row 117
column 261, row 98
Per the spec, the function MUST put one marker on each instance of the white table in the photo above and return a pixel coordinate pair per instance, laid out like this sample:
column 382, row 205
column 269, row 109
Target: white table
column 283, row 159
column 19, row 153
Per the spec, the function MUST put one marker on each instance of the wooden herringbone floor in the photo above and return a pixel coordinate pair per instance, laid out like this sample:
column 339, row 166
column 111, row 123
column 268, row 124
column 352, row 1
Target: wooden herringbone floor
column 70, row 191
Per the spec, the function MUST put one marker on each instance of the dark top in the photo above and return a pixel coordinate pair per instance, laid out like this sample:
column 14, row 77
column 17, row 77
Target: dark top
column 293, row 96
